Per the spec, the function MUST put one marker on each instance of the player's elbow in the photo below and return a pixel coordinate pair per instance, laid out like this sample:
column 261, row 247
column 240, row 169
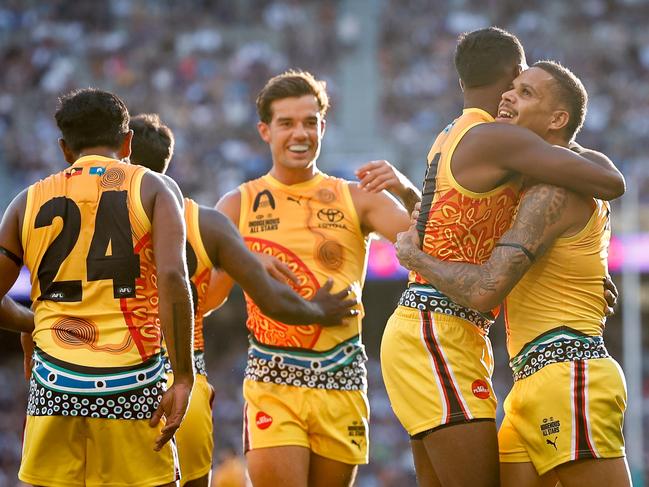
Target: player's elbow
column 171, row 277
column 615, row 189
column 486, row 302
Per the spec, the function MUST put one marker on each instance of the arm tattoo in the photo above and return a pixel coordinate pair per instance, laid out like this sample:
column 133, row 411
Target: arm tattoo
column 485, row 286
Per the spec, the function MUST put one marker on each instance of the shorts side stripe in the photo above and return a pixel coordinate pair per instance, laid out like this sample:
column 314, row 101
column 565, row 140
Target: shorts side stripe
column 582, row 434
column 425, row 322
column 449, row 391
column 246, row 433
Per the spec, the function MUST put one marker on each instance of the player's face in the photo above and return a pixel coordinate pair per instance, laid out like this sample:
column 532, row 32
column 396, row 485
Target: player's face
column 530, row 102
column 295, row 132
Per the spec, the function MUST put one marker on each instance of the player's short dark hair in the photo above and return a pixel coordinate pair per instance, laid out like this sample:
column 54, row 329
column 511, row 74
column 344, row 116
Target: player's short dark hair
column 483, row 56
column 570, row 92
column 92, row 118
column 292, row 83
column 153, row 142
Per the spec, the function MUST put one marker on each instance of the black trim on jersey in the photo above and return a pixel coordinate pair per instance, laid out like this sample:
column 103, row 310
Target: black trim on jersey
column 427, row 195
column 527, row 253
column 17, row 260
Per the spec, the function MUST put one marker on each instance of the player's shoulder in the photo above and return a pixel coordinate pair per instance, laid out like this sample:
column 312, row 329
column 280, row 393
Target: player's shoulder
column 493, row 133
column 230, row 204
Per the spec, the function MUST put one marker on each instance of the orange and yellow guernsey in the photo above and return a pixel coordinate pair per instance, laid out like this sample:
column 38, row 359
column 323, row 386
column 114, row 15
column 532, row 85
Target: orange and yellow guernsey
column 313, row 228
column 456, row 224
column 87, row 243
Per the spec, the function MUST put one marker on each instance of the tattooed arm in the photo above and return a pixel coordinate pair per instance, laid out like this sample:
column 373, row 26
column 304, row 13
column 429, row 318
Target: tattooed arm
column 543, row 215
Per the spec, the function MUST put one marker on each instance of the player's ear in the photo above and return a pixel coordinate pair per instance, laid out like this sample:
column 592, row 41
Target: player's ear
column 125, row 147
column 264, row 131
column 68, row 153
column 560, row 119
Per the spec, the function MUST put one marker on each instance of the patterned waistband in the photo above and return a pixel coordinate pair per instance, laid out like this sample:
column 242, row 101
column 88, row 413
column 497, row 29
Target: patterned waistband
column 427, row 298
column 199, row 363
column 561, row 344
column 57, row 389
column 340, row 368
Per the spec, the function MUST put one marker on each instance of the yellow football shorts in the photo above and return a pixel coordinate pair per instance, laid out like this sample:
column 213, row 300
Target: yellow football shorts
column 437, row 370
column 194, row 438
column 331, row 423
column 64, row 451
column 565, row 411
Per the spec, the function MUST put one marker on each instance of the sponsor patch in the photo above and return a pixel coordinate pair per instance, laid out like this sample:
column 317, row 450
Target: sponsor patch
column 480, row 389
column 263, row 420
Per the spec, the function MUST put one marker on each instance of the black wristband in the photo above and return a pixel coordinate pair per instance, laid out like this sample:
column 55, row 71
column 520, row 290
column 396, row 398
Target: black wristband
column 527, row 253
column 17, row 260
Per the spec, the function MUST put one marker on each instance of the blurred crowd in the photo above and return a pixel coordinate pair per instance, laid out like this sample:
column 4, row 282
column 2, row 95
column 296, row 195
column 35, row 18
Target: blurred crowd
column 200, row 64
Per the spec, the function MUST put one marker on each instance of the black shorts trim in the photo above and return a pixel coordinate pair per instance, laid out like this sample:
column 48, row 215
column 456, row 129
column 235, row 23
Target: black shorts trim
column 423, row 434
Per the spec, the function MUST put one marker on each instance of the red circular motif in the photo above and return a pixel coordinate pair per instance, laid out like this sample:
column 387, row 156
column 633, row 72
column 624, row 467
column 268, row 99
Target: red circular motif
column 271, row 332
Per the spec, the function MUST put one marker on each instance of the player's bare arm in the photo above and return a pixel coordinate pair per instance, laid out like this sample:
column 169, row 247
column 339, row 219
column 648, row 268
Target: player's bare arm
column 379, row 212
column 542, row 217
column 503, row 149
column 227, row 250
column 175, row 309
column 375, row 176
column 13, row 316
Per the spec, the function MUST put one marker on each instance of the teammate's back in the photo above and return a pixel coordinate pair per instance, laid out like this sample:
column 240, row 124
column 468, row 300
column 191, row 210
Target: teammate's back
column 90, row 237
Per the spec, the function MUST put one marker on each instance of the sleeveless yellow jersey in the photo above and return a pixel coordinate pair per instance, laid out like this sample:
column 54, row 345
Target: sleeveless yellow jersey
column 87, row 243
column 313, row 228
column 456, row 224
column 199, row 267
column 562, row 293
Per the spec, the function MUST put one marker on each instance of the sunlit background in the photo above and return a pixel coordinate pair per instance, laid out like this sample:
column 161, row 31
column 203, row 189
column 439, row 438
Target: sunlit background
column 388, row 67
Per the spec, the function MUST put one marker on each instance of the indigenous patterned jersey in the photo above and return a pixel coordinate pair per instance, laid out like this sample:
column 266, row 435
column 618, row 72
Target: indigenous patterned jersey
column 557, row 308
column 456, row 224
column 87, row 243
column 200, row 267
column 312, row 227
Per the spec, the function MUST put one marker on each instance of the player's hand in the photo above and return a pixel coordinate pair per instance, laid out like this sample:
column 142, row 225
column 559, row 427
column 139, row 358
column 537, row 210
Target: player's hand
column 415, row 214
column 278, row 269
column 335, row 307
column 407, row 247
column 27, row 342
column 375, row 176
column 610, row 295
column 173, row 406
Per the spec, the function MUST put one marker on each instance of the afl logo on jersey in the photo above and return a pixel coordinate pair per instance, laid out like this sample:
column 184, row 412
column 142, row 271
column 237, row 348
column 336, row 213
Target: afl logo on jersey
column 264, row 199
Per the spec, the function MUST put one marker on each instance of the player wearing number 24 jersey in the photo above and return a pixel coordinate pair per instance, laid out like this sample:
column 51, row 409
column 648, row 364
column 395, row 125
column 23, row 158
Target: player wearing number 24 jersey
column 90, row 237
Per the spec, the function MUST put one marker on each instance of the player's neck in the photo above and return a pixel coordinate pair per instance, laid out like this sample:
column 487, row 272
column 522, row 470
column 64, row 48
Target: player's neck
column 98, row 151
column 486, row 99
column 289, row 176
